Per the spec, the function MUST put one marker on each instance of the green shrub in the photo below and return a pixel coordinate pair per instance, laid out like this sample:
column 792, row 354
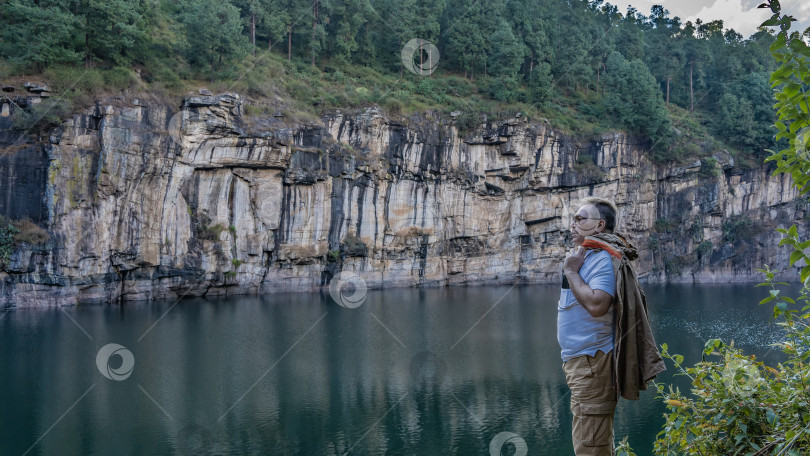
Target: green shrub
column 624, row 449
column 166, row 76
column 358, row 96
column 692, row 150
column 740, row 405
column 662, row 226
column 709, row 168
column 740, row 228
column 335, row 75
column 203, row 228
column 64, row 78
column 682, row 152
column 425, row 87
column 353, row 246
column 118, row 79
column 259, row 84
column 211, row 233
column 504, row 89
column 16, row 232
column 674, row 266
column 704, row 247
column 298, row 89
column 7, row 233
column 459, row 86
column 467, row 122
column 392, row 105
column 696, row 230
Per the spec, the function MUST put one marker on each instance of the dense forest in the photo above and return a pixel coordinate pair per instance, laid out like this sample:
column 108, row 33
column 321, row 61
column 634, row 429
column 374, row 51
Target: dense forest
column 687, row 88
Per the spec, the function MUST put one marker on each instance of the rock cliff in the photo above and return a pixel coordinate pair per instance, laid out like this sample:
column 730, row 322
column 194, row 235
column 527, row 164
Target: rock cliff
column 145, row 200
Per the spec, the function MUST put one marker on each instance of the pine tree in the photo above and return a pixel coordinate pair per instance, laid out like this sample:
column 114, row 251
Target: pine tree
column 110, row 29
column 508, row 51
column 633, row 98
column 346, row 19
column 214, row 33
column 38, row 34
column 416, row 19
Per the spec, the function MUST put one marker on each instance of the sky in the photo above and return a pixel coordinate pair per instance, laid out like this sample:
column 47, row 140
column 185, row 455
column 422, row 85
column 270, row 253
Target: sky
column 741, row 15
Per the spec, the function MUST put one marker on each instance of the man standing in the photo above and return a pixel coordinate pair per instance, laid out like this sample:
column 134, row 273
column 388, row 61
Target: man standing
column 600, row 299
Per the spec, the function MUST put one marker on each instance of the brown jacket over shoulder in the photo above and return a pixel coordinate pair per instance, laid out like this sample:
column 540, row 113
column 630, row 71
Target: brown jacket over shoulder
column 635, row 353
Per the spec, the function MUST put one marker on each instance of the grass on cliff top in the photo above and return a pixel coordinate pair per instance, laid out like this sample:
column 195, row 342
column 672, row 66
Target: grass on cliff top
column 270, row 83
column 302, row 93
column 691, row 140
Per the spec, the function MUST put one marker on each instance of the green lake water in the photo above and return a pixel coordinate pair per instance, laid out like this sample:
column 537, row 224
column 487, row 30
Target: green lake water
column 409, row 372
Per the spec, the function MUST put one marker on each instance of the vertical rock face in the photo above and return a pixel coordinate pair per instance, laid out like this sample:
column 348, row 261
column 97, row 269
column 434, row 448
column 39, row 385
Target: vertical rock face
column 144, row 202
column 23, row 169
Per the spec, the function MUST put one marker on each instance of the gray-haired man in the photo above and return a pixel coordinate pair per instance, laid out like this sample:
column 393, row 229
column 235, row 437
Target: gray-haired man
column 585, row 331
column 608, row 349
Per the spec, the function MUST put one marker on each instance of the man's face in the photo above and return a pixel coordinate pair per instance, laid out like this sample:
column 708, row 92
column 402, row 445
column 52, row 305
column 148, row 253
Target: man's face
column 585, row 222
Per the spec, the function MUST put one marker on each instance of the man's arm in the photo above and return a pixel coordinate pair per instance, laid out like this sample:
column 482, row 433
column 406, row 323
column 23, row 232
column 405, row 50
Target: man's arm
column 596, row 302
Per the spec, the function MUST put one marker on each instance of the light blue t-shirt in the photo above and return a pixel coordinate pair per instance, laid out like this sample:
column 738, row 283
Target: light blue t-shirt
column 578, row 332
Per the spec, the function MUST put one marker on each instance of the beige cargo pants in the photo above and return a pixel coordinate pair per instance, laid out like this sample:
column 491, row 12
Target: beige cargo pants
column 593, row 401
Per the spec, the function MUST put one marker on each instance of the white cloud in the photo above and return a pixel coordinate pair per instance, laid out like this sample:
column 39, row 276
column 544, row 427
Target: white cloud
column 741, row 15
column 801, row 12
column 734, row 15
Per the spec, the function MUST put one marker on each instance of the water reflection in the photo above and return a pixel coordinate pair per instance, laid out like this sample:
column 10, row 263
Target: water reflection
column 411, row 371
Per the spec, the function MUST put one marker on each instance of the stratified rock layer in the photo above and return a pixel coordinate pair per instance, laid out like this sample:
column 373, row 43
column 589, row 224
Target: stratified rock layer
column 145, row 201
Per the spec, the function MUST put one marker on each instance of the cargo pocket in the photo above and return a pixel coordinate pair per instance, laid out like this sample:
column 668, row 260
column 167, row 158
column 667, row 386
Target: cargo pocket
column 582, row 380
column 595, row 426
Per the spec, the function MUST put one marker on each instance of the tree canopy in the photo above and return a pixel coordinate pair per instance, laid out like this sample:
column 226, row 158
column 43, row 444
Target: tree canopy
column 590, row 56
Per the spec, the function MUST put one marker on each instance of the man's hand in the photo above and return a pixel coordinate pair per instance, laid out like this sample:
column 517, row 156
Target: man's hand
column 596, row 302
column 574, row 260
